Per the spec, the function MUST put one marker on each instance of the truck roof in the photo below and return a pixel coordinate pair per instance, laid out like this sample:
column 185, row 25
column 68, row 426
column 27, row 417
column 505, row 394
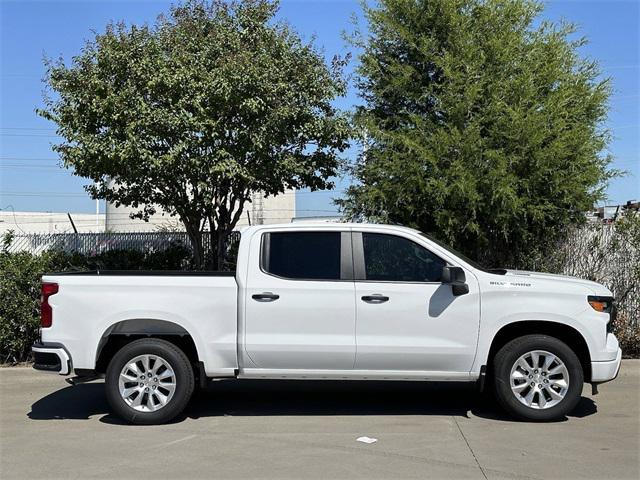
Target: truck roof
column 329, row 226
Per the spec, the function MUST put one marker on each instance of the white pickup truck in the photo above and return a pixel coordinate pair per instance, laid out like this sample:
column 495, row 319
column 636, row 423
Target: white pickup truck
column 330, row 301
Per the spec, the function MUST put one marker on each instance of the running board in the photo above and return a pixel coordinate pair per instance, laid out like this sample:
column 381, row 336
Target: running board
column 84, row 379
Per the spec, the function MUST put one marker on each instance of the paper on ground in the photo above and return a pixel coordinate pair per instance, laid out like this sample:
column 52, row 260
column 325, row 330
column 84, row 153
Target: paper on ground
column 366, row 440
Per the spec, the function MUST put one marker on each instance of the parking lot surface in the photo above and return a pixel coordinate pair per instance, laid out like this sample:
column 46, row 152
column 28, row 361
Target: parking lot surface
column 294, row 430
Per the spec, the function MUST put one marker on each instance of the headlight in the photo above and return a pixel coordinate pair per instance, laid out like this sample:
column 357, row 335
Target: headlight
column 600, row 304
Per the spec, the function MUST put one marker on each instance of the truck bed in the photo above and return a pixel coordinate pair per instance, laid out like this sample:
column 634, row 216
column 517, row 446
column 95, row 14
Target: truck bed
column 91, row 305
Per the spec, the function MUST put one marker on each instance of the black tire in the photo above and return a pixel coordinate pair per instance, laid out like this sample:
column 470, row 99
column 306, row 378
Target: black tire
column 184, row 380
column 507, row 357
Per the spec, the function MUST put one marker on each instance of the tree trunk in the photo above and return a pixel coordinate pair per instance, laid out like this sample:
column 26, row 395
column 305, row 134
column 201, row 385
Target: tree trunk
column 198, row 251
column 220, row 248
column 195, row 237
column 217, row 238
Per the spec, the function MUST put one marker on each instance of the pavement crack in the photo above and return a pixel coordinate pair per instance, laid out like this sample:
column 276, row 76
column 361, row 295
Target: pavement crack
column 484, row 474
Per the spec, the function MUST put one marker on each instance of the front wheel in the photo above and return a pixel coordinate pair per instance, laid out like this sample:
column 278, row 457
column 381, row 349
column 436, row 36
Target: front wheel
column 537, row 377
column 149, row 381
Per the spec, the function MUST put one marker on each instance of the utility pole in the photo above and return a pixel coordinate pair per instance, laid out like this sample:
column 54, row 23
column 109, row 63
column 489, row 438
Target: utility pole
column 98, row 212
column 259, row 208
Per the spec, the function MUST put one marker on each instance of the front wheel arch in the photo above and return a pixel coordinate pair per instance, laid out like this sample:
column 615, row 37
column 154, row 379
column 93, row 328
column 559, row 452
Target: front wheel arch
column 565, row 333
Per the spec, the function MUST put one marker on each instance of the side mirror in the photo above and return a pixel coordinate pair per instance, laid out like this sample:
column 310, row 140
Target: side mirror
column 456, row 278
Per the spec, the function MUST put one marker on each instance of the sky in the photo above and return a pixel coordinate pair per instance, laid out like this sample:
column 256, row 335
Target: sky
column 31, row 180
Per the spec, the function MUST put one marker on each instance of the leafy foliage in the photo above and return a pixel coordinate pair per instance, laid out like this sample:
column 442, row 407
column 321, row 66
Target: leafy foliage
column 193, row 114
column 480, row 127
column 19, row 309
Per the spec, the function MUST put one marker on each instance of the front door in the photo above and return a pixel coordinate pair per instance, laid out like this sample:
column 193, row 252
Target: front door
column 299, row 302
column 407, row 320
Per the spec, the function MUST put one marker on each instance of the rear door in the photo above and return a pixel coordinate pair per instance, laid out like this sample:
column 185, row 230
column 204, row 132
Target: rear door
column 407, row 319
column 300, row 301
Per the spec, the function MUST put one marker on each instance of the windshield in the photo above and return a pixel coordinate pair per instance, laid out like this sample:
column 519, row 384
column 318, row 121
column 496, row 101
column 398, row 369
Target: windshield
column 458, row 254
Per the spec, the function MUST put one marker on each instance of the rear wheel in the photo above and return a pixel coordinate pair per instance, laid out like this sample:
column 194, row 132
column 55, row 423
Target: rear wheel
column 149, row 381
column 537, row 377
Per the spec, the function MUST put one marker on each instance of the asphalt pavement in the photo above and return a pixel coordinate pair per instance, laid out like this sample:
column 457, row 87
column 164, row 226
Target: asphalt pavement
column 296, row 430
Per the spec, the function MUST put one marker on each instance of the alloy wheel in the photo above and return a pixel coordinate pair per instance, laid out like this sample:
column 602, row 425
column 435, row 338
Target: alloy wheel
column 147, row 383
column 539, row 379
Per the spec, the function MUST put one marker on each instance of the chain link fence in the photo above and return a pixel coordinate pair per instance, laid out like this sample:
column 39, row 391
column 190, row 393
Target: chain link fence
column 92, row 244
column 608, row 254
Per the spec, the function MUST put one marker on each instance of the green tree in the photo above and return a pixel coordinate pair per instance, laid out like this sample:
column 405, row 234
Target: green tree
column 194, row 113
column 484, row 127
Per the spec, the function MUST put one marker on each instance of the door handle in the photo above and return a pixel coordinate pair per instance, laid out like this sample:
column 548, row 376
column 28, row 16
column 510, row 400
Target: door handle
column 265, row 297
column 375, row 298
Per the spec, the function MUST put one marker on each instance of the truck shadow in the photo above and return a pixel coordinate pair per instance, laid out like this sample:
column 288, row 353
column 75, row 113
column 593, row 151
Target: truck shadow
column 282, row 397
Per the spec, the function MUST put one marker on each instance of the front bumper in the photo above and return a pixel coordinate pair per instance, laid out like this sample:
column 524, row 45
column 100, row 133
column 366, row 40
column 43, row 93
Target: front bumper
column 606, row 371
column 52, row 358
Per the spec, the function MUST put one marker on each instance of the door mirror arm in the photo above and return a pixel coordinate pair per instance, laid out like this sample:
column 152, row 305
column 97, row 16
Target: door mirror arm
column 455, row 277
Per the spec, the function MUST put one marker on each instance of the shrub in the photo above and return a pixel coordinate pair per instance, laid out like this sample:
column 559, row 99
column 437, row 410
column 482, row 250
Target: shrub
column 174, row 257
column 20, row 291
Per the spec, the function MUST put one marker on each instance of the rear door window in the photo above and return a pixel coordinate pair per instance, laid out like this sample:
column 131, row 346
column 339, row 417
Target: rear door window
column 302, row 255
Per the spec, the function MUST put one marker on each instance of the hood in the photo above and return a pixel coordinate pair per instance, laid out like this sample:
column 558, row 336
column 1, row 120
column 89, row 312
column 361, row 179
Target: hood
column 594, row 287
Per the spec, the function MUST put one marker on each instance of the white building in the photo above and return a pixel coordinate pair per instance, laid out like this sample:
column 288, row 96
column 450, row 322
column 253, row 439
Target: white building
column 261, row 210
column 50, row 222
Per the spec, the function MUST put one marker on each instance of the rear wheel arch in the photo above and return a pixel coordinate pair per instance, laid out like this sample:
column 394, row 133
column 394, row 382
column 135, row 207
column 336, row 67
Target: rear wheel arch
column 124, row 332
column 565, row 333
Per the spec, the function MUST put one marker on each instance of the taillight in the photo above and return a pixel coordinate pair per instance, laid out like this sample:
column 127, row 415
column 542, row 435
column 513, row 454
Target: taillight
column 46, row 315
